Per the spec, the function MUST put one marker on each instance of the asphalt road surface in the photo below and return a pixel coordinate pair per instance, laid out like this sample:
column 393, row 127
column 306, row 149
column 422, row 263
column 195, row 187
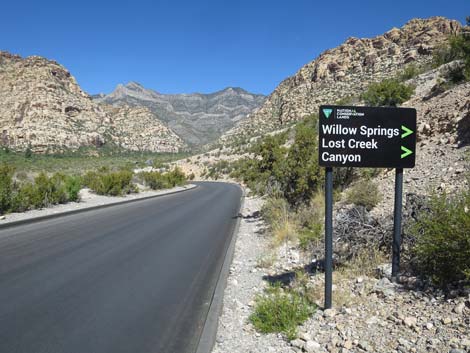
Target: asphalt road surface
column 135, row 278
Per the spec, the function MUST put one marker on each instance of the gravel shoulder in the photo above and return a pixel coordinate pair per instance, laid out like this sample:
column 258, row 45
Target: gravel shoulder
column 88, row 200
column 235, row 333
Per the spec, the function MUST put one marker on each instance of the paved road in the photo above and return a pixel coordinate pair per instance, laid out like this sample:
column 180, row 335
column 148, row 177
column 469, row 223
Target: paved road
column 134, row 278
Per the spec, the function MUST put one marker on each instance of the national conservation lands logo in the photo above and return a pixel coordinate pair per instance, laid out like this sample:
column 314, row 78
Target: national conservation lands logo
column 327, row 112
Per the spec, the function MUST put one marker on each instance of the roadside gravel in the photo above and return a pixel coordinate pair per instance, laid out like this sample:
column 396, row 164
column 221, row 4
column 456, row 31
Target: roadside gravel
column 235, row 333
column 88, row 200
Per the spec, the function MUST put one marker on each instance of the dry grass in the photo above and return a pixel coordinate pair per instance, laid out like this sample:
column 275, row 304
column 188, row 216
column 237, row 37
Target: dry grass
column 281, row 221
column 364, row 263
column 364, row 193
column 344, row 278
column 266, row 260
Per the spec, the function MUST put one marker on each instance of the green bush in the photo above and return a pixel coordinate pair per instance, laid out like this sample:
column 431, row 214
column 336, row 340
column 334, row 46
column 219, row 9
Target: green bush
column 22, row 198
column 157, row 180
column 455, row 74
column 364, row 193
column 303, row 176
column 456, row 48
column 277, row 170
column 410, row 72
column 310, row 235
column 442, row 248
column 73, row 184
column 281, row 311
column 115, row 183
column 389, row 92
column 289, row 172
column 176, row 177
column 264, row 173
column 6, row 187
column 44, row 191
column 154, row 180
column 310, row 218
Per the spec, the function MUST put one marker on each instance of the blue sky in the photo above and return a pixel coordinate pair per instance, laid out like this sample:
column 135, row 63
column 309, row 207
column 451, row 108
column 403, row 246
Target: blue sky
column 198, row 46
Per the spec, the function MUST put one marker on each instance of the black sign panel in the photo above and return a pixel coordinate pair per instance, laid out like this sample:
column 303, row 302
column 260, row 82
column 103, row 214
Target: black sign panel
column 367, row 137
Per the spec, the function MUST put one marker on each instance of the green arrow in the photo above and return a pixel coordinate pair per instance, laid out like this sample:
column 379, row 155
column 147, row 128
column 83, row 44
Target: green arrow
column 407, row 152
column 406, row 131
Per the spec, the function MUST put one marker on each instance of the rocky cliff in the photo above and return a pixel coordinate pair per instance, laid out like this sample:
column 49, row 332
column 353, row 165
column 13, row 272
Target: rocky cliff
column 197, row 118
column 138, row 129
column 346, row 71
column 43, row 108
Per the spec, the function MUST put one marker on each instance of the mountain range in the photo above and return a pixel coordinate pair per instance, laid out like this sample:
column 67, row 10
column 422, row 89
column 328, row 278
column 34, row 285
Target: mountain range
column 197, row 118
column 43, row 108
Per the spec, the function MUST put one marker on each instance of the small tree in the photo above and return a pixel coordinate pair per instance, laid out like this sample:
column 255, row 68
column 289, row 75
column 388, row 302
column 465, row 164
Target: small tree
column 303, row 175
column 389, row 92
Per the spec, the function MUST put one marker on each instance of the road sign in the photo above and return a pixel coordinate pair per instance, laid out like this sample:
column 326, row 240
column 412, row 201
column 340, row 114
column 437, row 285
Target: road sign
column 367, row 137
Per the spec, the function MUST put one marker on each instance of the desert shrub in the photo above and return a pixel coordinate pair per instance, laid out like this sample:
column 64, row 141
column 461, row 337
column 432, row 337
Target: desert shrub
column 310, row 218
column 364, row 193
column 442, row 248
column 175, row 177
column 154, row 180
column 281, row 221
column 112, row 183
column 443, row 54
column 73, row 184
column 303, row 176
column 44, row 191
column 389, row 92
column 157, row 180
column 347, row 100
column 310, row 235
column 22, row 198
column 6, row 187
column 456, row 48
column 218, row 168
column 266, row 260
column 28, row 153
column 364, row 263
column 409, row 72
column 368, row 173
column 281, row 311
column 265, row 172
column 276, row 169
column 342, row 177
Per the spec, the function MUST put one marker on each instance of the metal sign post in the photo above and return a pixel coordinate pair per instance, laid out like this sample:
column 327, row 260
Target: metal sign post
column 328, row 237
column 397, row 223
column 365, row 137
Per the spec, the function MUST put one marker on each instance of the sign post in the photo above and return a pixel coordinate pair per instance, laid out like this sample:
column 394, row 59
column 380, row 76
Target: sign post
column 365, row 137
column 328, row 237
column 397, row 223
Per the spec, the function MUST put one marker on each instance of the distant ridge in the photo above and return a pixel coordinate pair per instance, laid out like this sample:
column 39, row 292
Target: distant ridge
column 198, row 118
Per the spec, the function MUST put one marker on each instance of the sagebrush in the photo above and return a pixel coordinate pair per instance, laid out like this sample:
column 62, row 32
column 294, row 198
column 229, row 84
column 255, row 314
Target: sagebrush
column 442, row 239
